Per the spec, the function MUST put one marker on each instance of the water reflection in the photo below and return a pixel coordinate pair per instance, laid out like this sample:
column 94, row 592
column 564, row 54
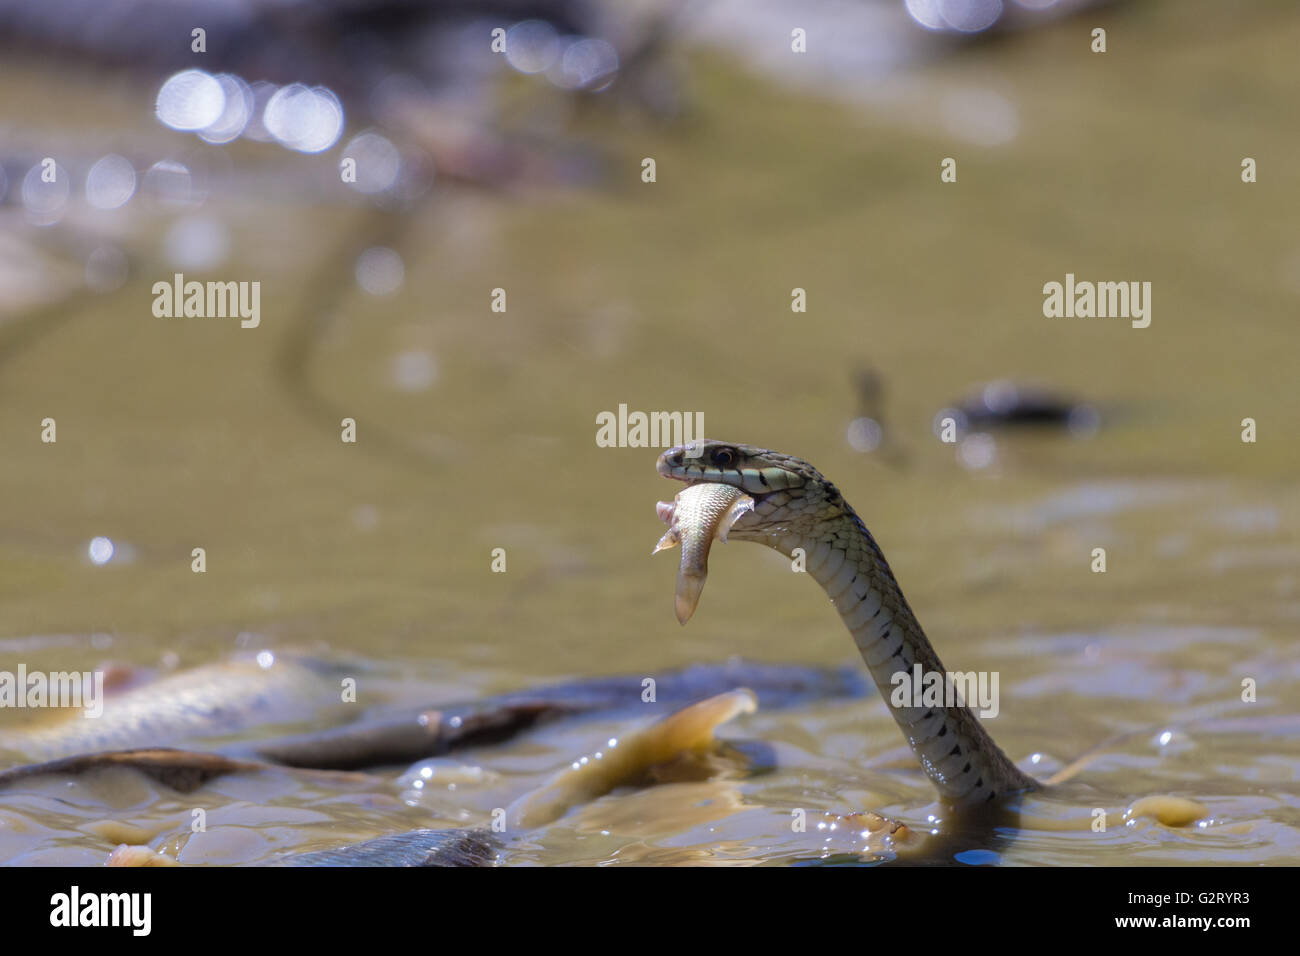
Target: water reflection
column 864, row 434
column 983, row 117
column 45, row 192
column 586, row 64
column 222, row 108
column 190, row 100
column 110, row 184
column 234, row 116
column 966, row 16
column 100, row 550
column 197, row 243
column 106, row 269
column 378, row 163
column 380, row 271
column 414, row 371
column 169, row 182
column 532, row 46
column 303, row 119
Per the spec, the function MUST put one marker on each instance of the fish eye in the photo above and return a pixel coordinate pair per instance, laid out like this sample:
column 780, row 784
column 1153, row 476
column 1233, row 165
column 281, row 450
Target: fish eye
column 723, row 457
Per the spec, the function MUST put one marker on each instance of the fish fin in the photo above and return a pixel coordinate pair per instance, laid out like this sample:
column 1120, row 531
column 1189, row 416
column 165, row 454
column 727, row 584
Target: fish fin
column 739, row 508
column 671, row 539
column 689, row 589
column 626, row 761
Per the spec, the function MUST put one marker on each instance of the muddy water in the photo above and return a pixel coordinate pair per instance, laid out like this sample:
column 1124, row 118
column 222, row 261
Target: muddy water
column 174, row 435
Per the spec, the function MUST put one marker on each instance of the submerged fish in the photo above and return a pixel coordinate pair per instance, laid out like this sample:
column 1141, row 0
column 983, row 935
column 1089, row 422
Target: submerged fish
column 626, row 762
column 698, row 514
column 413, row 848
column 182, row 770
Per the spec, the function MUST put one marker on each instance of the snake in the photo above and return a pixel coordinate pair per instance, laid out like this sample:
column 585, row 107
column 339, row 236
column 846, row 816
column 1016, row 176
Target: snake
column 798, row 512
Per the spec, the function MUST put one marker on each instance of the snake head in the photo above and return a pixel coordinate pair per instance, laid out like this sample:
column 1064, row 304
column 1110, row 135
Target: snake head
column 756, row 471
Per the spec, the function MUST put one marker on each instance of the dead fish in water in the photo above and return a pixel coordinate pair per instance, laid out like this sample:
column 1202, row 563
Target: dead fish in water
column 437, row 729
column 209, row 701
column 629, row 761
column 698, row 514
column 625, row 762
column 232, row 697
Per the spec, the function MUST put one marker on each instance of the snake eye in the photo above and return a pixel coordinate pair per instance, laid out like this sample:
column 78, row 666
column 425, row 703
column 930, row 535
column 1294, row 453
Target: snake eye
column 723, row 457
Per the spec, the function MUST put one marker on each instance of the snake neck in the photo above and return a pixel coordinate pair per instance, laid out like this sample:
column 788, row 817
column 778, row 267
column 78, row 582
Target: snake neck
column 962, row 761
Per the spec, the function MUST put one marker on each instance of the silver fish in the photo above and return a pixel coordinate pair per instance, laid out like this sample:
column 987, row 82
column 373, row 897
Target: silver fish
column 698, row 514
column 218, row 699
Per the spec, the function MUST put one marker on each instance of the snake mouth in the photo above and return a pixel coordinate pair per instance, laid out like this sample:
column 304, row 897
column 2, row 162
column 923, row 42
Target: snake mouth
column 719, row 463
column 678, row 468
column 680, row 464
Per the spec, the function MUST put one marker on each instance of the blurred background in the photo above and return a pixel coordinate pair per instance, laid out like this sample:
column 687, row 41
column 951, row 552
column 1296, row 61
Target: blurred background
column 521, row 170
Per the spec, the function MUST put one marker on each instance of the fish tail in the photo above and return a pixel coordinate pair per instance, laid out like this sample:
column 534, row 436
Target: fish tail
column 690, row 585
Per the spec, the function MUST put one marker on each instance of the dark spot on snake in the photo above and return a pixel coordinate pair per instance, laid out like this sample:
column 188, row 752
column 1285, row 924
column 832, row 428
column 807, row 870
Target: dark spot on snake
column 966, row 769
column 956, row 751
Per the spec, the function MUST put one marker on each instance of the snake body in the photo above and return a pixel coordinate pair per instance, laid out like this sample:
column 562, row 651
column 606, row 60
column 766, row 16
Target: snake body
column 796, row 507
